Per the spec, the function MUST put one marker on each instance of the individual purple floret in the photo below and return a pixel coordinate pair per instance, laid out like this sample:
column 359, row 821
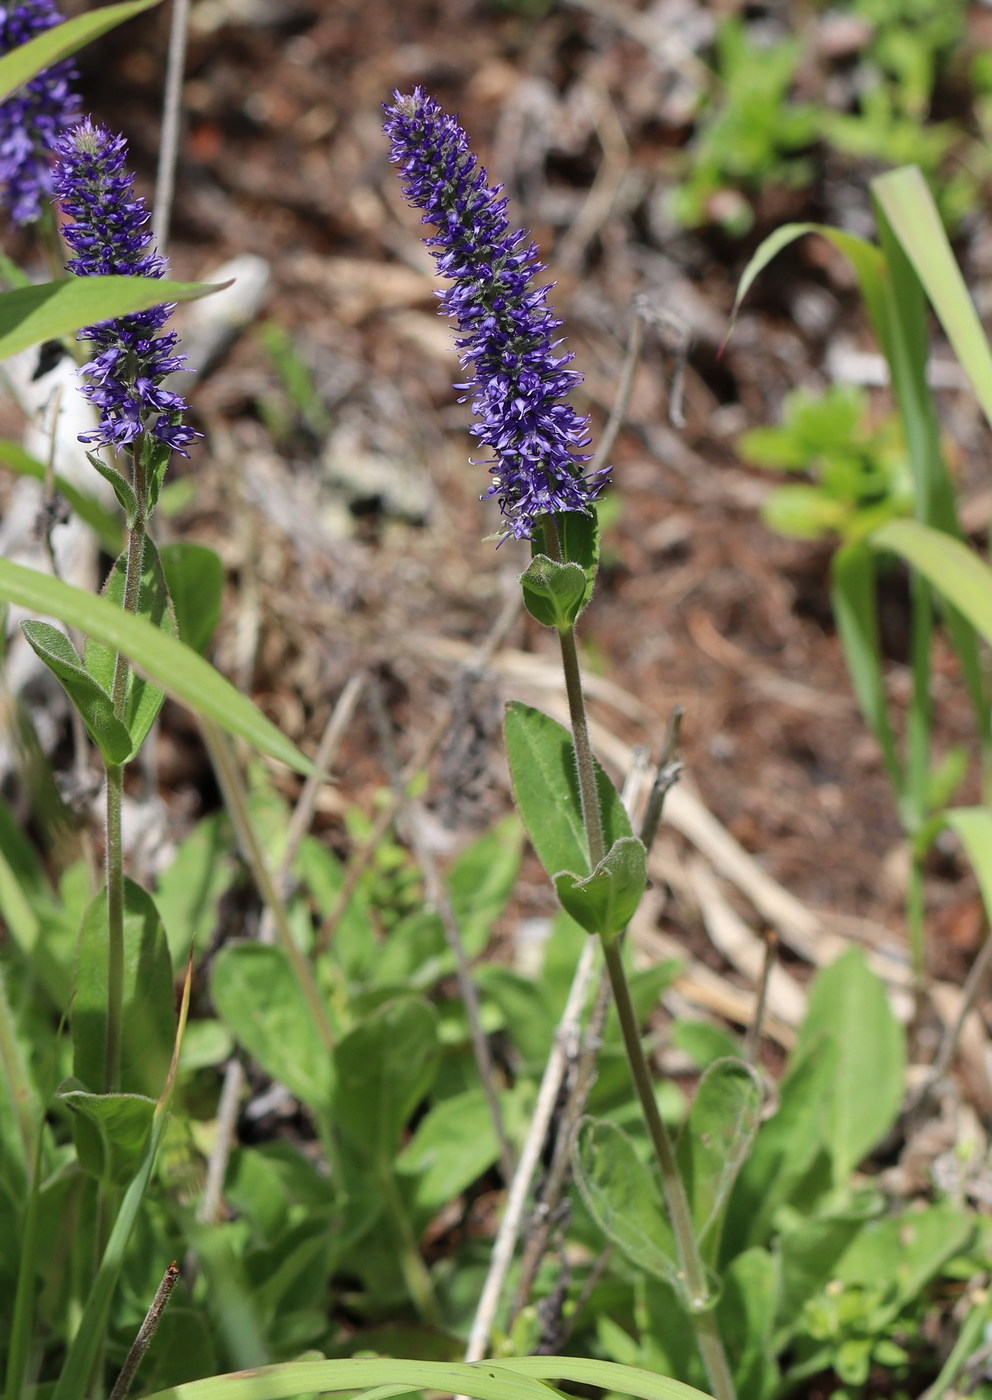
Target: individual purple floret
column 32, row 119
column 508, row 330
column 108, row 233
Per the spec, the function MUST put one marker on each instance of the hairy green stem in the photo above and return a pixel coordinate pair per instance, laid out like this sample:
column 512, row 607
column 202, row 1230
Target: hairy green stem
column 696, row 1286
column 114, row 859
column 695, row 1283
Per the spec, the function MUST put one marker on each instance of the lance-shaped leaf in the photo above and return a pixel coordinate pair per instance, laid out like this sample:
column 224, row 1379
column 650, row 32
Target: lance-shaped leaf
column 93, row 702
column 715, row 1142
column 27, row 60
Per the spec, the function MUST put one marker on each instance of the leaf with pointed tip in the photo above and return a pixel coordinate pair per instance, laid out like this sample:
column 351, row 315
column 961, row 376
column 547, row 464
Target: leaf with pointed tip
column 177, row 668
column 715, row 1142
column 143, row 700
column 122, row 488
column 27, row 60
column 54, row 648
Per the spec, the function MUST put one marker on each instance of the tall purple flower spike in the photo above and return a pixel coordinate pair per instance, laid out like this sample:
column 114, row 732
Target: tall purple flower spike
column 519, row 384
column 109, row 235
column 32, row 118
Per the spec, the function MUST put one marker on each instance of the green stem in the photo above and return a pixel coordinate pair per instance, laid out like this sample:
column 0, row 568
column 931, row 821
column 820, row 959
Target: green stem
column 588, row 795
column 414, row 1270
column 700, row 1302
column 115, row 929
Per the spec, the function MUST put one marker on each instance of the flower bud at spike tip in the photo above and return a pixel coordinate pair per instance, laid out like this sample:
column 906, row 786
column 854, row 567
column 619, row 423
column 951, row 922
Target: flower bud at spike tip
column 33, row 117
column 107, row 230
column 507, row 330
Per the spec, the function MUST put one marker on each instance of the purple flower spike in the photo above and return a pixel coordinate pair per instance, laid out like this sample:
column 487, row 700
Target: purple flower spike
column 109, row 235
column 34, row 117
column 519, row 384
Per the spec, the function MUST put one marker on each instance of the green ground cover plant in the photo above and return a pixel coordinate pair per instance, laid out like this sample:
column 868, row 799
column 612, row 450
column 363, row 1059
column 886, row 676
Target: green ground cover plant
column 728, row 1246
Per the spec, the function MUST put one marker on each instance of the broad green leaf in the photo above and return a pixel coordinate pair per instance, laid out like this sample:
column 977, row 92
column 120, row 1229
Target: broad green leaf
column 143, row 700
column 382, row 1070
column 849, row 1010
column 176, row 667
column 605, row 901
column 104, row 523
column 88, row 696
column 973, row 826
column 546, row 787
column 120, row 1123
column 519, row 1378
column 954, row 570
column 55, row 309
column 910, row 209
column 454, row 1143
column 716, row 1140
column 554, row 593
column 190, row 888
column 623, row 1196
column 856, row 614
column 23, row 63
column 809, row 1252
column 785, row 1148
column 907, row 1250
column 195, row 576
column 481, row 881
column 149, row 1025
column 256, row 995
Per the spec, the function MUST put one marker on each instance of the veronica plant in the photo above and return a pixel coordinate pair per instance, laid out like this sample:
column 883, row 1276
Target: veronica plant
column 517, row 390
column 35, row 116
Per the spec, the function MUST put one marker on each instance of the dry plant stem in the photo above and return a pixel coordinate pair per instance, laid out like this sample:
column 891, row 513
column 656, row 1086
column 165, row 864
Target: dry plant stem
column 754, row 1030
column 693, row 1272
column 969, row 994
column 145, row 1332
column 115, row 798
column 463, row 971
column 361, row 858
column 208, row 1210
column 299, row 822
column 165, row 179
column 547, row 1096
column 437, row 897
column 635, row 343
column 236, row 801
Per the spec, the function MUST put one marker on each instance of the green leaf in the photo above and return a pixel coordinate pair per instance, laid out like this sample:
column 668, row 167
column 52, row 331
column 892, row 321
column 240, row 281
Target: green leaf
column 849, row 1010
column 745, row 1319
column 121, row 1125
column 54, row 309
column 973, row 826
column 623, row 1196
column 554, row 593
column 910, row 209
column 104, row 523
column 257, row 996
column 122, row 488
column 950, row 566
column 605, row 901
column 809, row 1253
column 142, row 699
column 546, row 787
column 454, row 1143
column 177, row 668
column 27, row 60
column 382, row 1070
column 149, row 1023
column 716, row 1140
column 195, row 576
column 190, row 888
column 518, row 1378
column 87, row 695
column 856, row 613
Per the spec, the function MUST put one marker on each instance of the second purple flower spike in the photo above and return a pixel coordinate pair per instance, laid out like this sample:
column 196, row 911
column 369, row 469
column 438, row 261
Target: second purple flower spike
column 507, row 328
column 108, row 233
